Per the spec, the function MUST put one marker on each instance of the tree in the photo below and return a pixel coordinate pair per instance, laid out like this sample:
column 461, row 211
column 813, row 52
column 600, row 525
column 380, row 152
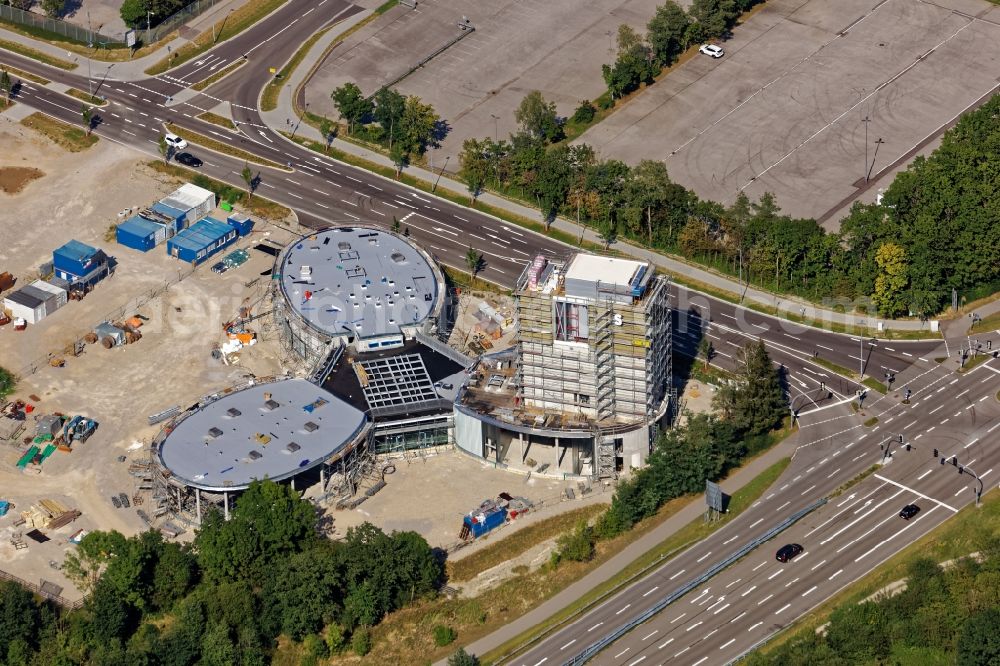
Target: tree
column 5, row 84
column 474, row 260
column 710, row 18
column 576, row 545
column 133, row 12
column 474, row 166
column 247, row 175
column 755, row 402
column 667, row 32
column 584, row 113
column 608, row 231
column 328, row 130
column 165, row 148
column 54, row 8
column 419, row 124
column 537, row 117
column 85, row 563
column 19, row 617
column 706, row 351
column 979, row 640
column 395, row 224
column 87, row 113
column 463, row 658
column 399, row 156
column 351, row 104
column 891, row 282
column 361, row 642
column 390, row 105
column 632, row 66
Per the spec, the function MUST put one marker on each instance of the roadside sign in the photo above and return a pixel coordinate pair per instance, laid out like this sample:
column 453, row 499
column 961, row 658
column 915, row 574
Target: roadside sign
column 130, row 38
column 713, row 496
column 273, row 70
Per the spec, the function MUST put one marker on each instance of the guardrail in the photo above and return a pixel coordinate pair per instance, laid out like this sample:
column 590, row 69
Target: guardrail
column 594, row 648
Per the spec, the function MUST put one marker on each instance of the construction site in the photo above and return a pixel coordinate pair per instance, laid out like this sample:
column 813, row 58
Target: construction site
column 588, row 383
column 330, row 360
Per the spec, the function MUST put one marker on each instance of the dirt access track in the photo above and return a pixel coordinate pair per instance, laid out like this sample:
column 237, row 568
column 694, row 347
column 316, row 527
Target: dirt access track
column 784, row 110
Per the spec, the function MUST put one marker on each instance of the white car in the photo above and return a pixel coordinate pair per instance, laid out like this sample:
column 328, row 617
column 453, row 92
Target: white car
column 175, row 141
column 712, row 50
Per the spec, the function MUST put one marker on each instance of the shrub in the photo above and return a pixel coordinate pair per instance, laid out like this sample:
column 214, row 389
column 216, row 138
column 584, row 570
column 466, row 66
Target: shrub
column 361, row 641
column 584, row 113
column 444, row 635
column 578, row 545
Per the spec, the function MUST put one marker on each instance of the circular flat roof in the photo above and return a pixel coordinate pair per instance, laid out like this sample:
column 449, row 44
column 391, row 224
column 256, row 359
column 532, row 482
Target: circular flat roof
column 247, row 436
column 362, row 282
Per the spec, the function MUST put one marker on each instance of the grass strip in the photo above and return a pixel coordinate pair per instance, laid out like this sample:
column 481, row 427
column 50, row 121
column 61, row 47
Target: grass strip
column 219, row 75
column 512, row 545
column 21, row 74
column 876, row 385
column 986, row 324
column 686, row 536
column 216, row 119
column 957, row 537
column 269, row 98
column 870, row 422
column 93, row 100
column 34, row 54
column 73, row 139
column 230, row 26
column 5, row 104
column 973, row 362
column 110, row 53
column 258, row 205
column 220, row 147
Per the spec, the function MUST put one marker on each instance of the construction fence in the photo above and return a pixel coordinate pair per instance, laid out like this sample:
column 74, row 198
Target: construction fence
column 96, row 39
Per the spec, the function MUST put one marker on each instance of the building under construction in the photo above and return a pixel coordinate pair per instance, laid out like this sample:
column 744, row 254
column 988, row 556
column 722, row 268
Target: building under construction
column 588, row 384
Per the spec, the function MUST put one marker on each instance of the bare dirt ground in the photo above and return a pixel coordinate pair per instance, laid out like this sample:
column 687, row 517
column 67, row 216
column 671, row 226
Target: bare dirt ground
column 79, row 197
column 430, row 495
column 14, row 179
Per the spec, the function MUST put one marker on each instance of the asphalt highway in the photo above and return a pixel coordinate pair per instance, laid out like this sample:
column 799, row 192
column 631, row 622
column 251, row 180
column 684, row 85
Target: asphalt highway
column 843, row 540
column 836, row 447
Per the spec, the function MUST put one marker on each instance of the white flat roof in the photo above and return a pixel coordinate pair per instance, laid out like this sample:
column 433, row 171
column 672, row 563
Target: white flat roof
column 226, row 444
column 595, row 268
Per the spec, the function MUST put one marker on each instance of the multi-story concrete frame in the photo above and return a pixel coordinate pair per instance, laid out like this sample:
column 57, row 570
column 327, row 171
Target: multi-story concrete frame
column 591, row 373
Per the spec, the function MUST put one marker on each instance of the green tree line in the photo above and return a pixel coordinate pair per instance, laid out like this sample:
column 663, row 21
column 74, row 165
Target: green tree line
column 669, row 33
column 405, row 126
column 226, row 598
column 942, row 617
column 936, row 228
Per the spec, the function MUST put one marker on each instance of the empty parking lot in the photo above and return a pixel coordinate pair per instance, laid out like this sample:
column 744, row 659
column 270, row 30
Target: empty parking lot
column 784, row 110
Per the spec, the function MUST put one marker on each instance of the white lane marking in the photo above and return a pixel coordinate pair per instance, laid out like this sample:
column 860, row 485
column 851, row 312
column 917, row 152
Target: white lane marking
column 811, row 589
column 595, row 626
column 783, row 608
column 727, row 644
column 836, row 573
column 749, row 590
column 568, row 644
column 755, row 626
column 919, row 494
column 623, row 609
column 650, row 634
column 703, row 556
column 677, row 574
column 925, row 473
column 665, row 644
column 651, row 591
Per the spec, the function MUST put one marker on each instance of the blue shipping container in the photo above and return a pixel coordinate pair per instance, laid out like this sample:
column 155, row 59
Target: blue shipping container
column 201, row 240
column 179, row 217
column 76, row 258
column 242, row 223
column 482, row 521
column 138, row 233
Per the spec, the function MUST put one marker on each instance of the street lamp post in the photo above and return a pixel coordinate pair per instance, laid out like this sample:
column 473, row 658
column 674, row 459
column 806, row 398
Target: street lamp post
column 149, row 13
column 438, row 179
column 866, row 120
column 878, row 142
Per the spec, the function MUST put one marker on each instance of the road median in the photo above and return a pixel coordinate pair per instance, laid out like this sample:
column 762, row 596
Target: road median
column 223, row 148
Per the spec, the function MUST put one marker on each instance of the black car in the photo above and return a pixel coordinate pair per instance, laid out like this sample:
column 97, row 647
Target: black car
column 124, row 500
column 909, row 511
column 187, row 159
column 117, row 502
column 219, row 267
column 788, row 551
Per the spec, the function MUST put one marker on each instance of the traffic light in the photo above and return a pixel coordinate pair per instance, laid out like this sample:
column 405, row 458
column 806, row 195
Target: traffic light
column 961, row 470
column 935, row 453
column 942, row 461
column 954, row 461
column 907, row 447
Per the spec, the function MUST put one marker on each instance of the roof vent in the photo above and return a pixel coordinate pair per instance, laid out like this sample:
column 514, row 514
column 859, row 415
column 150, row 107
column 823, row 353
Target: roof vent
column 343, row 245
column 271, row 405
column 233, row 412
column 310, row 426
column 292, row 447
column 214, row 432
column 256, row 455
column 398, row 257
